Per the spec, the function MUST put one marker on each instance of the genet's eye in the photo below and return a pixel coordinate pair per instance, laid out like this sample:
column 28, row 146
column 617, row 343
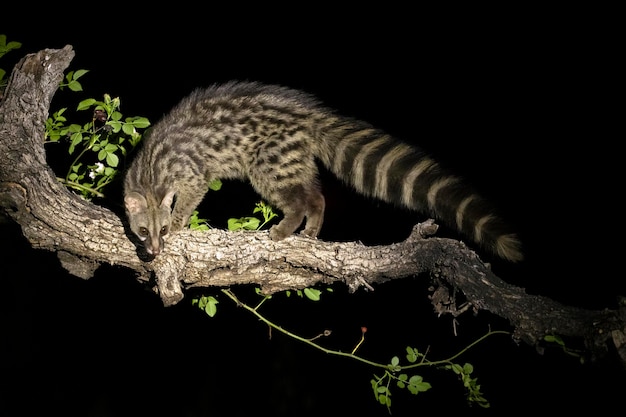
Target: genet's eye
column 143, row 232
column 163, row 230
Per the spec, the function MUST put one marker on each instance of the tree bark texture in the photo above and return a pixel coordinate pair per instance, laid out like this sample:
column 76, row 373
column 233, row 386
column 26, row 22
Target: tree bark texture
column 85, row 235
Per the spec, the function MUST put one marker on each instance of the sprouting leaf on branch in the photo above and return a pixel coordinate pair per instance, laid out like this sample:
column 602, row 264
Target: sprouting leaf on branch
column 97, row 144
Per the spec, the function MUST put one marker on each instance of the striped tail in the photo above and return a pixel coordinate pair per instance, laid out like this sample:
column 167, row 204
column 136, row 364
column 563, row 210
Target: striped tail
column 380, row 166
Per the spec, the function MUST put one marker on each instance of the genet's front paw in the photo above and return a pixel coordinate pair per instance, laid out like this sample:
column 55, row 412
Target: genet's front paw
column 277, row 233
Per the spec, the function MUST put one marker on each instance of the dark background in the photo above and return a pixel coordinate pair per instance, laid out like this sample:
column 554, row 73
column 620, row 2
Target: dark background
column 518, row 101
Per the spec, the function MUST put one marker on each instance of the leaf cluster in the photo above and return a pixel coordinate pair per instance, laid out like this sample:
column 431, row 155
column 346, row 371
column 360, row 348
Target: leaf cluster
column 381, row 385
column 98, row 144
column 4, row 49
column 252, row 222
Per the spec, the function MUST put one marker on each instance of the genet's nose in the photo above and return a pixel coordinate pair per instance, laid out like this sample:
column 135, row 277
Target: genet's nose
column 153, row 250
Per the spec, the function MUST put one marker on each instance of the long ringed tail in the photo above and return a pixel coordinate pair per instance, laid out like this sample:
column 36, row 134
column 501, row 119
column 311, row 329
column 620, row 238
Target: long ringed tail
column 380, row 166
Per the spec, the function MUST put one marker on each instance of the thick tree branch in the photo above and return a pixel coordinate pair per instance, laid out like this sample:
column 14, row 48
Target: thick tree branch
column 85, row 235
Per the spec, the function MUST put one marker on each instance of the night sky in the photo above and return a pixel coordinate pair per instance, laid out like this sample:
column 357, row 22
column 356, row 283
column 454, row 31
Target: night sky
column 518, row 104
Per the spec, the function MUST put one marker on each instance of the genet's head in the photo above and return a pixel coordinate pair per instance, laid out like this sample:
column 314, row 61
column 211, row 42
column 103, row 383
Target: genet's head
column 149, row 219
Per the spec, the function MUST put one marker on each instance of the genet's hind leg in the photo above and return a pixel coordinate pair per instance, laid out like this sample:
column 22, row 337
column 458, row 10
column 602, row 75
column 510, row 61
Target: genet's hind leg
column 315, row 205
column 296, row 203
column 291, row 221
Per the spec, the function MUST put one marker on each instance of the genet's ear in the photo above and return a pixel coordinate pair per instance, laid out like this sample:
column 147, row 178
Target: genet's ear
column 135, row 202
column 168, row 199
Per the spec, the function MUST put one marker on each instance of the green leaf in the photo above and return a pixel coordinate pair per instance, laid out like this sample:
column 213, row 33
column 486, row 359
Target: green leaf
column 115, row 126
column 139, row 122
column 211, row 306
column 128, row 129
column 246, row 223
column 374, row 384
column 74, row 128
column 76, row 138
column 14, row 45
column 112, row 159
column 80, row 73
column 312, row 294
column 395, row 361
column 456, row 368
column 54, row 137
column 417, row 385
column 211, row 309
column 196, row 223
column 416, row 389
column 75, row 86
column 385, row 400
column 215, row 185
column 206, row 303
column 554, row 339
column 6, row 47
column 416, row 379
column 411, row 354
column 85, row 104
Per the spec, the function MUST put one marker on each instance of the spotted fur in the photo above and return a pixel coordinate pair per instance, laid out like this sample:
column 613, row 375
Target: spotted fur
column 273, row 137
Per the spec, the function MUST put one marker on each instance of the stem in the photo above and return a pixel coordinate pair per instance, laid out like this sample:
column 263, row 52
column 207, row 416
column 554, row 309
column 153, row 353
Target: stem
column 69, row 171
column 80, row 187
column 233, row 297
column 424, row 362
column 92, row 142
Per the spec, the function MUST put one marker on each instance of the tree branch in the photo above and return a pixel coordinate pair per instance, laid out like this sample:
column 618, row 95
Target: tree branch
column 85, row 236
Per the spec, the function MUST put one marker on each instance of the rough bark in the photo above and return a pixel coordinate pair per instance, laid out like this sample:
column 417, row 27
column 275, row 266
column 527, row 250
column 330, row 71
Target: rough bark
column 85, row 235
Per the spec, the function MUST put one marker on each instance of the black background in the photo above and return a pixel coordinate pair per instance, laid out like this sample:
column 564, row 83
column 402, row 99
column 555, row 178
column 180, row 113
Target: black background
column 519, row 101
